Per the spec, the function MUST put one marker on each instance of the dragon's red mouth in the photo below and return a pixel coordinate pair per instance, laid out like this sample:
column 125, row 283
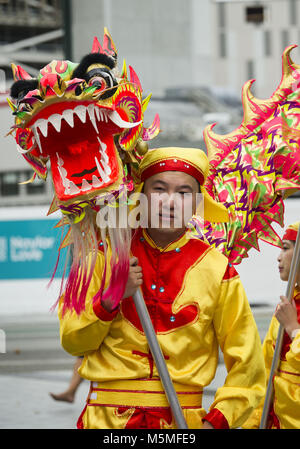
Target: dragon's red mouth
column 79, row 140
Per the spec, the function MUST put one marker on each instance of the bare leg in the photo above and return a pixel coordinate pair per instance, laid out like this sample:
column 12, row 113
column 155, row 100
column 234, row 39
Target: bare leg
column 69, row 394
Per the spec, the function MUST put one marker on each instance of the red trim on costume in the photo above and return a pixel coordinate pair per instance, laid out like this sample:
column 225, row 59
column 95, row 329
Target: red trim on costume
column 80, row 420
column 216, row 419
column 288, row 372
column 272, row 418
column 150, row 359
column 230, row 272
column 290, row 234
column 147, row 419
column 103, row 314
column 184, row 407
column 161, row 285
column 173, row 165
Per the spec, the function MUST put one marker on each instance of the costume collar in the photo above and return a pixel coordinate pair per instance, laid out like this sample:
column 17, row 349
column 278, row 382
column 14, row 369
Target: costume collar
column 173, row 246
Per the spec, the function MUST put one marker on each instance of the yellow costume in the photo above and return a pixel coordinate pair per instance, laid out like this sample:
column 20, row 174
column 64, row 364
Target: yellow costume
column 197, row 303
column 285, row 411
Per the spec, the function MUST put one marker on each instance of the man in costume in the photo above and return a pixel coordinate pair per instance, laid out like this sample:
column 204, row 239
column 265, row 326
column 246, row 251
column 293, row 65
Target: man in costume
column 285, row 409
column 196, row 302
column 87, row 121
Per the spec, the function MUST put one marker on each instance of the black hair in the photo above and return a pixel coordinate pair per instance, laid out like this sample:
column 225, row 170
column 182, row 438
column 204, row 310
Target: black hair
column 21, row 86
column 92, row 58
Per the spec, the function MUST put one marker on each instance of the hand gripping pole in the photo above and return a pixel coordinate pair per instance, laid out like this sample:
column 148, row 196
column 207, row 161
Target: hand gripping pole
column 159, row 359
column 295, row 267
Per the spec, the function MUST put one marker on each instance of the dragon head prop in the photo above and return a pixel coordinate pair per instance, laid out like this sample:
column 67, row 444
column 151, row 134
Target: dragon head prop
column 85, row 121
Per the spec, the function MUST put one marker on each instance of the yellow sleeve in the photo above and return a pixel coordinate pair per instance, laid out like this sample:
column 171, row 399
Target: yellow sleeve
column 240, row 343
column 253, row 421
column 293, row 355
column 85, row 333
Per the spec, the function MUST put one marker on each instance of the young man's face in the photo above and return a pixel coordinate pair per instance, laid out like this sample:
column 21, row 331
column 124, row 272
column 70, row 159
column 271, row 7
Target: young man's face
column 172, row 200
column 285, row 259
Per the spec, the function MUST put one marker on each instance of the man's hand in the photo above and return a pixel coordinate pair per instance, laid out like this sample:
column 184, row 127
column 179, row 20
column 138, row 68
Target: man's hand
column 207, row 425
column 135, row 278
column 286, row 314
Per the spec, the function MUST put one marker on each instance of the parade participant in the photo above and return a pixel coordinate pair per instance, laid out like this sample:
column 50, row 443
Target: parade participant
column 284, row 413
column 69, row 394
column 196, row 303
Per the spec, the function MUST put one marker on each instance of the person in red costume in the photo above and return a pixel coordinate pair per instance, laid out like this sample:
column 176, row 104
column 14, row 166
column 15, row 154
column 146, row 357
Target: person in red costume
column 196, row 303
column 285, row 410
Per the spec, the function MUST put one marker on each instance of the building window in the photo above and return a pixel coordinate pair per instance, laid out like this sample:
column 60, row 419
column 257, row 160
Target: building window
column 250, row 69
column 293, row 12
column 267, row 43
column 284, row 39
column 254, row 14
column 9, row 183
column 221, row 15
column 36, row 187
column 222, row 45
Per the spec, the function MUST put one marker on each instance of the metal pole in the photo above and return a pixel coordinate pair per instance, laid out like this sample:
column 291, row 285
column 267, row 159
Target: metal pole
column 295, row 267
column 159, row 359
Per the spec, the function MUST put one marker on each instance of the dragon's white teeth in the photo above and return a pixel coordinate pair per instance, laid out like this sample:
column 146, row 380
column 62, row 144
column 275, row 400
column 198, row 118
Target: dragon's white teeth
column 68, row 116
column 20, row 150
column 97, row 112
column 102, row 173
column 43, row 126
column 60, row 161
column 55, row 120
column 85, row 185
column 91, row 112
column 117, row 120
column 71, row 189
column 96, row 182
column 37, row 138
column 103, row 145
column 81, row 112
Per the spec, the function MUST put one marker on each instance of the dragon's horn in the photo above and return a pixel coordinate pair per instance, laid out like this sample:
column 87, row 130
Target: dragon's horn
column 96, row 46
column 108, row 45
column 135, row 79
column 124, row 70
column 19, row 73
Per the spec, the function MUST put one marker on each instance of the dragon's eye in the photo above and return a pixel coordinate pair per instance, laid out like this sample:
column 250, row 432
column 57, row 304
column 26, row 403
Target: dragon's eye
column 98, row 82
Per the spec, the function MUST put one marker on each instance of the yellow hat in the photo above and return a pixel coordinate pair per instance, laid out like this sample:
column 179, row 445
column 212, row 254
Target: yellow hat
column 192, row 161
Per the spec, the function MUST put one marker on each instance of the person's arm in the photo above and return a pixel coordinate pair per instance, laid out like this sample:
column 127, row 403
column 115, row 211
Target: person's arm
column 85, row 333
column 240, row 343
column 286, row 314
column 253, row 421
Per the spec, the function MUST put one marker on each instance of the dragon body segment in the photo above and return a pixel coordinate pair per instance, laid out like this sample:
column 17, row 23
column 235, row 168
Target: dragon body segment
column 254, row 167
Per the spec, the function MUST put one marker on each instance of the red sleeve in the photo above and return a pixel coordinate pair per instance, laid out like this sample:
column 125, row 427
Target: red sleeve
column 216, row 419
column 102, row 313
